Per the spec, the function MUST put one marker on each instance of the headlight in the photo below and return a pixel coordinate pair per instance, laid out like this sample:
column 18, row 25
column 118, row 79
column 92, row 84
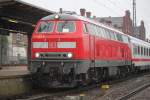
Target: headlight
column 37, row 55
column 70, row 55
column 56, row 16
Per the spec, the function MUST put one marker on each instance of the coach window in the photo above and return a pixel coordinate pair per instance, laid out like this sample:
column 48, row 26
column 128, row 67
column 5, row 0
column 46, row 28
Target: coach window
column 134, row 49
column 141, row 50
column 149, row 51
column 85, row 30
column 144, row 51
column 66, row 27
column 45, row 27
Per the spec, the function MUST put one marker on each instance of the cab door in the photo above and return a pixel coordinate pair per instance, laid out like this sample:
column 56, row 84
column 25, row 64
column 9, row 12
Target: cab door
column 92, row 47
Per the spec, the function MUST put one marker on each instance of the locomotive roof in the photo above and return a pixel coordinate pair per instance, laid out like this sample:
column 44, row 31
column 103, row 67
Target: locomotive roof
column 78, row 17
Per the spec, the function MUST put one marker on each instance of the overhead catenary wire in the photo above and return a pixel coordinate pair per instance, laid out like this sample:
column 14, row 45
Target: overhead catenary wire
column 115, row 5
column 107, row 7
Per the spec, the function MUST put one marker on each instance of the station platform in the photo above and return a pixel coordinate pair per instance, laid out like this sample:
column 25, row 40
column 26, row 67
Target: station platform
column 14, row 71
column 14, row 80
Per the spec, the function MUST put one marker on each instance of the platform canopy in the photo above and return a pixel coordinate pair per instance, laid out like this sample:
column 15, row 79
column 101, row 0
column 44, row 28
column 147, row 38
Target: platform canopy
column 19, row 16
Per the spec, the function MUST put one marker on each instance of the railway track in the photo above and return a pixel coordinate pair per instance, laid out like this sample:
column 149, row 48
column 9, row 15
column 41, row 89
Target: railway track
column 133, row 93
column 55, row 95
column 59, row 94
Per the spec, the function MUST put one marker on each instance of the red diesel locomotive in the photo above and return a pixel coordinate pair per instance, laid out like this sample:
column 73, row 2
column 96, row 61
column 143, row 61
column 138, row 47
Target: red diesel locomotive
column 68, row 50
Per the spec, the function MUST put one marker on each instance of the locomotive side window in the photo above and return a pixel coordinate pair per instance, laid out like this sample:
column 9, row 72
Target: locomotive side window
column 119, row 37
column 125, row 39
column 66, row 27
column 97, row 31
column 46, row 27
column 106, row 34
column 109, row 34
column 112, row 35
column 102, row 32
column 94, row 29
column 91, row 29
column 85, row 30
column 115, row 36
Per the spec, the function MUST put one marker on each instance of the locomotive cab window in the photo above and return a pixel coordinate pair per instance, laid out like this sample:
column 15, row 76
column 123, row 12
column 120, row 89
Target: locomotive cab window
column 45, row 27
column 66, row 27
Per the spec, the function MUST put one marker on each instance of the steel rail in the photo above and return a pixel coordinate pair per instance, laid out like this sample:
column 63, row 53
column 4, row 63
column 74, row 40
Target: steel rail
column 134, row 92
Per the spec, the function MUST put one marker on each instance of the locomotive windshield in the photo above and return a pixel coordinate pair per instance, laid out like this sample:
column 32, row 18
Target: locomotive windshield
column 66, row 26
column 45, row 27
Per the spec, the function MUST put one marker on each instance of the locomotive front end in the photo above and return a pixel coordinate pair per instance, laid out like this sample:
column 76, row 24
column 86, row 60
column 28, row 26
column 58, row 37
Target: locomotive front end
column 56, row 50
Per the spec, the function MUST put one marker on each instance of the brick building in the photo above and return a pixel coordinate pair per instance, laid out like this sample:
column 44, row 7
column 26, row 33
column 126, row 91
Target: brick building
column 142, row 31
column 124, row 24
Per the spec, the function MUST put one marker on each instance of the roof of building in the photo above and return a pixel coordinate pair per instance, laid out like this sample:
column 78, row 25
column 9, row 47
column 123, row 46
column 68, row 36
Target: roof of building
column 115, row 21
column 19, row 15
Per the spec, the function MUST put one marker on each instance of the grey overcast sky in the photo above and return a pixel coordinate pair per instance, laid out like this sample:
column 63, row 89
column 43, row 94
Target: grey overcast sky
column 100, row 8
